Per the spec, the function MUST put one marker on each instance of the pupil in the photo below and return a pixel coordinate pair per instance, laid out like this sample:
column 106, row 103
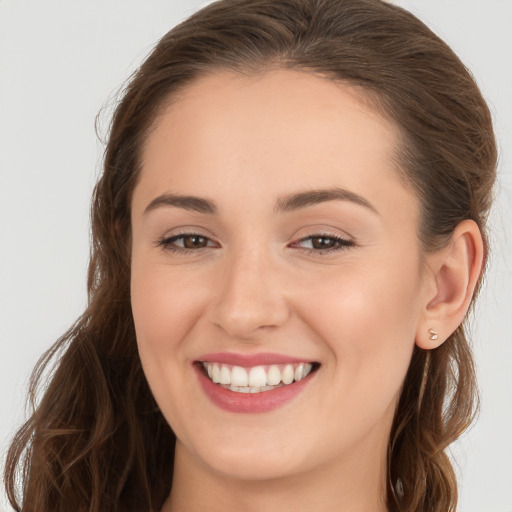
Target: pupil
column 192, row 242
column 322, row 242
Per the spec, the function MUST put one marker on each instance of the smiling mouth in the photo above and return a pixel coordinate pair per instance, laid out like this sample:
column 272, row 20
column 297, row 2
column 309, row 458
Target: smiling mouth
column 256, row 379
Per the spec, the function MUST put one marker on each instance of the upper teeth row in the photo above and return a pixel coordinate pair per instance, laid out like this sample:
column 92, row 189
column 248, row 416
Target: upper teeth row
column 257, row 376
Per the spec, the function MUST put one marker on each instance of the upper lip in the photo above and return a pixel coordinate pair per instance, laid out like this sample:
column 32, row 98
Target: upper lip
column 249, row 360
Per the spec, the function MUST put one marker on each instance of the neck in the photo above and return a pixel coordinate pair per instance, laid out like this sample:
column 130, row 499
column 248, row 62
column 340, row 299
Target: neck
column 356, row 484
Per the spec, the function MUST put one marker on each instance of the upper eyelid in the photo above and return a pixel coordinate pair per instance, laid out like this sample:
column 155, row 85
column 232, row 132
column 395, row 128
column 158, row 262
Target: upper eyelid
column 311, row 230
column 344, row 236
column 190, row 231
column 343, row 241
column 177, row 236
column 325, row 234
column 167, row 239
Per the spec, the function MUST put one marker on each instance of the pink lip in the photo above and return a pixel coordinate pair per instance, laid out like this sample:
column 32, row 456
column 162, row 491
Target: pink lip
column 248, row 361
column 250, row 403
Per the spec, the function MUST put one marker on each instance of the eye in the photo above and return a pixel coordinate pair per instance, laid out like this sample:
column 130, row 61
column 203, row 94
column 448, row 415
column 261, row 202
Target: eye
column 323, row 243
column 186, row 242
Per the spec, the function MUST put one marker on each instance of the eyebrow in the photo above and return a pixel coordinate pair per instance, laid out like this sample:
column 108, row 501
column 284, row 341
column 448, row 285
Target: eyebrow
column 287, row 203
column 313, row 197
column 191, row 203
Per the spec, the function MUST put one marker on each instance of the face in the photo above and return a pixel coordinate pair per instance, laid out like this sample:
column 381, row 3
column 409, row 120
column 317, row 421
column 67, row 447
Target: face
column 275, row 248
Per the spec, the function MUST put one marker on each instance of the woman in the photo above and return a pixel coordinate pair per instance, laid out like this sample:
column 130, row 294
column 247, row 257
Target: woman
column 287, row 236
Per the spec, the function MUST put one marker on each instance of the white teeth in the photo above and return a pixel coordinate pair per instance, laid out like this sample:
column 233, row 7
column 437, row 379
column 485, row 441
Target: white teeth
column 249, row 389
column 299, row 372
column 257, row 378
column 302, row 370
column 288, row 374
column 239, row 376
column 225, row 375
column 216, row 373
column 273, row 376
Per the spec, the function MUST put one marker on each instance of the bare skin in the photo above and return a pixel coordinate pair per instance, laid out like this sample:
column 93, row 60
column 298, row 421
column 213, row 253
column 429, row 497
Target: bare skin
column 340, row 281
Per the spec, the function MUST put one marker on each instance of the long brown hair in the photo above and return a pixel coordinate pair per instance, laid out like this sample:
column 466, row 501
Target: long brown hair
column 96, row 440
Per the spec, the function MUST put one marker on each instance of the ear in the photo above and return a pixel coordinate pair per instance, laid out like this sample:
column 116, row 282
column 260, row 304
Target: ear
column 453, row 275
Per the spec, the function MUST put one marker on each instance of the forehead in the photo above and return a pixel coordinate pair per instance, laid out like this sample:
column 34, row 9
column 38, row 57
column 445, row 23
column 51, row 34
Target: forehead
column 269, row 133
column 283, row 105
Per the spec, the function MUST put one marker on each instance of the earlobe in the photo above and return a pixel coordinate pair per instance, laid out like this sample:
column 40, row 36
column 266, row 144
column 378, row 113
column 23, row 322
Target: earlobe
column 455, row 271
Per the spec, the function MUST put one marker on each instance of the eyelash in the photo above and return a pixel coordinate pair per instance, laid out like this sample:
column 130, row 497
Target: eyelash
column 166, row 243
column 340, row 243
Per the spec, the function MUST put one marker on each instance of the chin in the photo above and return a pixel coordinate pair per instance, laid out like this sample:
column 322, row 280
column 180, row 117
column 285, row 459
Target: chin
column 253, row 463
column 260, row 471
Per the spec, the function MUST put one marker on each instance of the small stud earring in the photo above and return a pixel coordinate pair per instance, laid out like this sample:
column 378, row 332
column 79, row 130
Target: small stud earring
column 433, row 334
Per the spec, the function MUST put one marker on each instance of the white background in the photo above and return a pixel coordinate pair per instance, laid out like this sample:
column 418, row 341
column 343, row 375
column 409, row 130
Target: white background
column 59, row 63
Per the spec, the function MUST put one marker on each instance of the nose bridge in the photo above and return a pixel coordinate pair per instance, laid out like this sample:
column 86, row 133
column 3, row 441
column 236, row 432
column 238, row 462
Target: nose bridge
column 250, row 296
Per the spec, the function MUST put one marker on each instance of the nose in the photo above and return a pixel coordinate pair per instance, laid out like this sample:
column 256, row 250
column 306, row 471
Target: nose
column 252, row 298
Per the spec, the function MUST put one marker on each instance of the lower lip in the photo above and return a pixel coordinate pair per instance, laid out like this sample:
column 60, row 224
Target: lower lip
column 250, row 403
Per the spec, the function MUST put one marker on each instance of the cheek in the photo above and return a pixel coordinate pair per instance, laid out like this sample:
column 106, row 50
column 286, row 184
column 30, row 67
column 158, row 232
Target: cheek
column 353, row 301
column 165, row 310
column 368, row 320
column 163, row 305
column 161, row 314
